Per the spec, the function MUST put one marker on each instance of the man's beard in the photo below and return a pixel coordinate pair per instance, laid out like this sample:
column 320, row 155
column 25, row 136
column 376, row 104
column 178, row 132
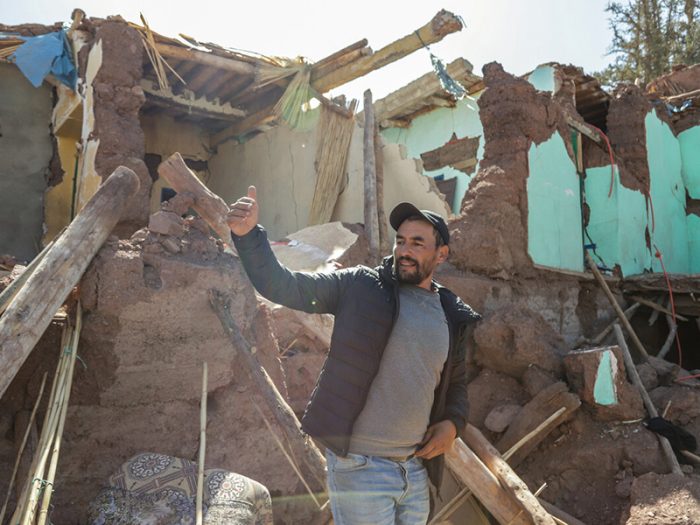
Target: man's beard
column 411, row 275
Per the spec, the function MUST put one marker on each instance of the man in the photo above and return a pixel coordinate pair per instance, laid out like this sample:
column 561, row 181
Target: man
column 391, row 397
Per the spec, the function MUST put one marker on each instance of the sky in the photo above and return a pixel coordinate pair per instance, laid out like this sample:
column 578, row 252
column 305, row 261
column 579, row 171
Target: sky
column 520, row 34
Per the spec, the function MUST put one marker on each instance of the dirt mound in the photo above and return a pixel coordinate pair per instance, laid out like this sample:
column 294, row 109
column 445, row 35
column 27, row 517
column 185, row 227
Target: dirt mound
column 670, row 499
column 511, row 339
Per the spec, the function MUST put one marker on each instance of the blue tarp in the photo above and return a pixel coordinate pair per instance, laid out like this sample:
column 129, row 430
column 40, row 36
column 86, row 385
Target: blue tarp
column 40, row 55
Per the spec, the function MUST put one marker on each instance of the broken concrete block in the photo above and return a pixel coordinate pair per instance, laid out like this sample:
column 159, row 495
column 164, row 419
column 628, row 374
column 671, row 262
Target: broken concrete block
column 320, row 247
column 599, row 377
column 512, row 338
column 166, row 223
column 170, row 245
column 179, row 204
column 489, row 390
column 500, row 417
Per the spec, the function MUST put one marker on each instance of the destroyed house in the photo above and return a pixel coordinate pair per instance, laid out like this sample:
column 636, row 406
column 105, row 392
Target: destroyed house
column 570, row 207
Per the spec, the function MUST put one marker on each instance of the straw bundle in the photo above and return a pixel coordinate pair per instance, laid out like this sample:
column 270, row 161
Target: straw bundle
column 298, row 92
column 157, row 61
column 334, row 136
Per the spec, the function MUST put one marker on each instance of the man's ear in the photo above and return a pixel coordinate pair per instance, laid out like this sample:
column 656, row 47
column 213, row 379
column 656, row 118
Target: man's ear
column 443, row 252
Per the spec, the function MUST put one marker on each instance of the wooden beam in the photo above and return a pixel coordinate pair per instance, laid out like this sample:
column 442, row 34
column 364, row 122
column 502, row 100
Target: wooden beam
column 583, row 128
column 442, row 24
column 471, row 471
column 188, row 102
column 333, row 57
column 371, row 217
column 33, row 308
column 453, row 152
column 651, row 409
column 208, row 59
column 507, row 477
column 210, row 206
column 203, row 77
column 657, row 307
column 396, row 103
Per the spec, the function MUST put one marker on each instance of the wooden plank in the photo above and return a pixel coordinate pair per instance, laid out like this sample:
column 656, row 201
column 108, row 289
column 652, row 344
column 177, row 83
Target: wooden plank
column 507, row 477
column 210, row 206
column 454, row 152
column 656, row 306
column 33, row 308
column 651, row 409
column 545, row 403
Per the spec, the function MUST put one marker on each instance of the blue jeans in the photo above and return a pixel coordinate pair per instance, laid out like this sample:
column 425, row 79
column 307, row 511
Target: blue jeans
column 370, row 490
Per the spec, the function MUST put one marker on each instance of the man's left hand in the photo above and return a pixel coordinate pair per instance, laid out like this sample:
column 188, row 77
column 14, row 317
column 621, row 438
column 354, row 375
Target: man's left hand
column 438, row 439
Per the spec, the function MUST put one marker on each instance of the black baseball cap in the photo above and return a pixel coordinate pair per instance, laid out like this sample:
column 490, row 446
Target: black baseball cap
column 404, row 210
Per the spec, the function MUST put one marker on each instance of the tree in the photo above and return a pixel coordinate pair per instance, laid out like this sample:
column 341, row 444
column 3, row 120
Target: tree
column 651, row 36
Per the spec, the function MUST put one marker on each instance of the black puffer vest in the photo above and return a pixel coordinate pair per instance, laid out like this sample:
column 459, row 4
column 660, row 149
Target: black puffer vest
column 364, row 302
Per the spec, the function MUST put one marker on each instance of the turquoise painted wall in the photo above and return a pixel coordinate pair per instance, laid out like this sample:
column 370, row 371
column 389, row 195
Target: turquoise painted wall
column 689, row 141
column 617, row 224
column 694, row 243
column 554, row 204
column 667, row 191
column 542, row 78
column 434, row 129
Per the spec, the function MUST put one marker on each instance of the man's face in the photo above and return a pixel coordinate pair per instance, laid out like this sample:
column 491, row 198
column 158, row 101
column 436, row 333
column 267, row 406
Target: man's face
column 415, row 253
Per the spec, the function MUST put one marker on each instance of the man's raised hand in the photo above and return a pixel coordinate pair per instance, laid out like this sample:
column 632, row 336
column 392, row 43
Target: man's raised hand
column 243, row 214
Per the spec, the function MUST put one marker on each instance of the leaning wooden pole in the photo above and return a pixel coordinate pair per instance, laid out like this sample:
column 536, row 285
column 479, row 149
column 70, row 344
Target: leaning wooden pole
column 264, row 386
column 623, row 318
column 370, row 207
column 651, row 409
column 384, row 241
column 202, row 445
column 31, row 311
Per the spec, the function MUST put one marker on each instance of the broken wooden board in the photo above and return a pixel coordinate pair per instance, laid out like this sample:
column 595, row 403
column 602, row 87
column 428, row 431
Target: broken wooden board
column 547, row 402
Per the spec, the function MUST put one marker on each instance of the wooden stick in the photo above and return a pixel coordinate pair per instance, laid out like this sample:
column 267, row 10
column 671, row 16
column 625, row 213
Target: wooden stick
column 560, row 516
column 46, row 426
column 537, row 493
column 46, row 289
column 262, row 384
column 48, row 489
column 692, row 457
column 637, row 343
column 370, row 202
column 672, row 330
column 651, row 409
column 21, row 448
column 202, row 445
column 289, row 458
column 530, row 435
column 608, row 329
column 655, row 306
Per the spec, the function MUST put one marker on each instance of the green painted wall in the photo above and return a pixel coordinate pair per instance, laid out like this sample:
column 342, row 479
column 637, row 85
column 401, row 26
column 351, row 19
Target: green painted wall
column 604, row 391
column 617, row 224
column 434, row 129
column 542, row 78
column 694, row 243
column 689, row 141
column 554, row 204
